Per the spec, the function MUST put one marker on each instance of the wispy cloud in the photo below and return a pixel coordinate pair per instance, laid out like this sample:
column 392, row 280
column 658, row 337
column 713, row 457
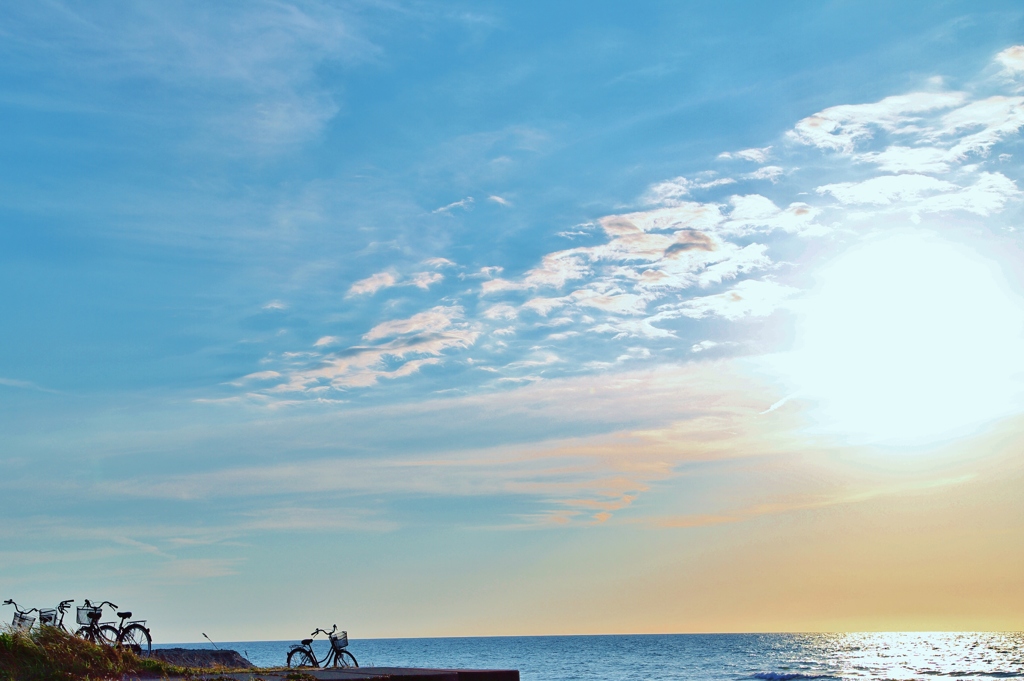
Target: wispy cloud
column 683, row 259
column 250, row 70
column 24, row 385
column 372, row 284
column 757, row 155
column 807, row 503
column 464, row 204
column 396, row 348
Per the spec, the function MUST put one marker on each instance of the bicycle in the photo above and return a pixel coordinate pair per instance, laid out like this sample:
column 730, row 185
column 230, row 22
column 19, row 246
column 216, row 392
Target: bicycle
column 88, row 616
column 48, row 616
column 337, row 656
column 21, row 617
column 135, row 636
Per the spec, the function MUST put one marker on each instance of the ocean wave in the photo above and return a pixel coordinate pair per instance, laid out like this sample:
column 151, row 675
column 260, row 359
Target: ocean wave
column 789, row 676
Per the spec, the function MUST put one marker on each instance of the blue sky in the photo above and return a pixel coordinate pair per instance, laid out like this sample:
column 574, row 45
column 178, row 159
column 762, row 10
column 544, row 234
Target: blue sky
column 465, row 302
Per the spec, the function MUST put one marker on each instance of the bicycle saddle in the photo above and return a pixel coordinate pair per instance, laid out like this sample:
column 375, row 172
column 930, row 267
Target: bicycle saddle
column 306, row 641
column 124, row 615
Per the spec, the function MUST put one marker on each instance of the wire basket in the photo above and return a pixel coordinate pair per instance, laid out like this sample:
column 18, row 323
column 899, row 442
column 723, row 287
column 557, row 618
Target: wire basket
column 47, row 617
column 22, row 621
column 83, row 614
column 340, row 641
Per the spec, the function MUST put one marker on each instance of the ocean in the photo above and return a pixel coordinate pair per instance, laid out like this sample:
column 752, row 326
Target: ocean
column 704, row 657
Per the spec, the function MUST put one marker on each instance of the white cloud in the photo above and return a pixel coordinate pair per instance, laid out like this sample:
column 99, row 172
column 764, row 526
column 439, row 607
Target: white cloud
column 986, row 196
column 432, row 321
column 755, row 213
column 501, row 311
column 998, row 117
column 633, row 328
column 691, row 215
column 899, row 159
column 703, row 345
column 886, row 189
column 1012, row 59
column 750, row 258
column 372, row 284
column 464, row 204
column 403, row 347
column 839, row 128
column 662, row 259
column 770, row 173
column 615, row 302
column 668, row 191
column 424, row 280
column 491, row 272
column 261, row 376
column 757, row 155
column 544, row 306
column 582, row 229
column 671, row 192
column 382, row 280
column 499, row 200
column 749, row 298
column 555, row 270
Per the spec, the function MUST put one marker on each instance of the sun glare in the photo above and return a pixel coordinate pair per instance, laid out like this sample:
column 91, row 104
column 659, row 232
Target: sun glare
column 908, row 339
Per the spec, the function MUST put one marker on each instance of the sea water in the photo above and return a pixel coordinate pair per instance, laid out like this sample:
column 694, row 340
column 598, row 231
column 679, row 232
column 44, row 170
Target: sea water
column 706, row 657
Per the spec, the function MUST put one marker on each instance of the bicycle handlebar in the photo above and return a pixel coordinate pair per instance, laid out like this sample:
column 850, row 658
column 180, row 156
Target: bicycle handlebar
column 64, row 605
column 17, row 608
column 324, row 631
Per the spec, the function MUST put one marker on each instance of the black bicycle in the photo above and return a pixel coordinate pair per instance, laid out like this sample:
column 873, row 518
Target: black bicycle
column 91, row 630
column 54, row 617
column 337, row 656
column 22, row 618
column 135, row 635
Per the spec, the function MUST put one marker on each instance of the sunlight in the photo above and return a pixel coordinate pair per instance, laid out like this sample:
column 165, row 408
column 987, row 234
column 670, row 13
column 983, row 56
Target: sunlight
column 908, row 339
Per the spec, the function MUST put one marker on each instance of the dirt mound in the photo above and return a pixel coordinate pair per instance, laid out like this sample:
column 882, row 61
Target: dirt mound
column 202, row 659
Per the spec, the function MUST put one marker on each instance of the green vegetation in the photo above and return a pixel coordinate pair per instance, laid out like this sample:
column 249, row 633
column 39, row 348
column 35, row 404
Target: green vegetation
column 49, row 654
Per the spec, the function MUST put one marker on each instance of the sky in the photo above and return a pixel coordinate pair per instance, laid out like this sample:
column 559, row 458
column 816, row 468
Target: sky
column 454, row 319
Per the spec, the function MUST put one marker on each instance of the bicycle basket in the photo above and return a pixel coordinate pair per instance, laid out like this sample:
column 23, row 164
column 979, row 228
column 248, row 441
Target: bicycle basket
column 83, row 614
column 48, row 617
column 340, row 641
column 22, row 621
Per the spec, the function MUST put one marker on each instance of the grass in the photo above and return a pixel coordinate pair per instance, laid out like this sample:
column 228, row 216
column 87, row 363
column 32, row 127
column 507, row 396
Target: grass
column 49, row 654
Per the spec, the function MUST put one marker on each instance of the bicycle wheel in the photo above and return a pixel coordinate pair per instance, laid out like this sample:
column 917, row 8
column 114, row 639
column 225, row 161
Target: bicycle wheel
column 343, row 658
column 86, row 633
column 300, row 657
column 136, row 638
column 108, row 635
